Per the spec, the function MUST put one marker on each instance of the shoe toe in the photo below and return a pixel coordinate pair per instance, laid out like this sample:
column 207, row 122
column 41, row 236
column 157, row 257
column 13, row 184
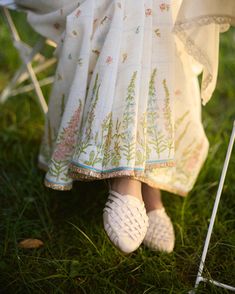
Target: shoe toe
column 127, row 245
column 125, row 222
column 165, row 244
column 160, row 234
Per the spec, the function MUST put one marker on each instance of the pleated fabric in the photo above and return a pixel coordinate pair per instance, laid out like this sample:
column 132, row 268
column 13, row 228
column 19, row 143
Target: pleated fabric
column 125, row 101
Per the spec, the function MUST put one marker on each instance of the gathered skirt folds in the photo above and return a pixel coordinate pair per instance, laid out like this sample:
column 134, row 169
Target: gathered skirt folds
column 125, row 101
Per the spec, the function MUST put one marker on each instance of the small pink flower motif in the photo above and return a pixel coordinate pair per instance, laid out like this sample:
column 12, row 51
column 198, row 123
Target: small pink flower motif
column 148, row 11
column 56, row 26
column 78, row 13
column 60, row 153
column 191, row 162
column 67, row 141
column 109, row 59
column 178, row 92
column 164, row 6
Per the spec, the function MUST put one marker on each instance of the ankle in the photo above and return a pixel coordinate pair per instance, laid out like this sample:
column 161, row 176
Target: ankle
column 150, row 207
column 151, row 197
column 125, row 186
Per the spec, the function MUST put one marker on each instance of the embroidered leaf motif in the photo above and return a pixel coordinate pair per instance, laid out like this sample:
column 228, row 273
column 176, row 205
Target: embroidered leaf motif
column 154, row 135
column 117, row 137
column 169, row 142
column 85, row 136
column 128, row 122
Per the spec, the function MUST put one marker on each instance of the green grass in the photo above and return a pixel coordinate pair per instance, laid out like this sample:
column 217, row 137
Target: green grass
column 77, row 256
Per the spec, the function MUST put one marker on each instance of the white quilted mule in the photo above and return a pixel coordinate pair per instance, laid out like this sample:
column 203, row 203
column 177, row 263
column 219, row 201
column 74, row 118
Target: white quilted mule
column 160, row 234
column 125, row 221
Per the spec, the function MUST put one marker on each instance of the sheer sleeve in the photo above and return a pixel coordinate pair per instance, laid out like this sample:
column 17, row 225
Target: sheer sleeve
column 198, row 25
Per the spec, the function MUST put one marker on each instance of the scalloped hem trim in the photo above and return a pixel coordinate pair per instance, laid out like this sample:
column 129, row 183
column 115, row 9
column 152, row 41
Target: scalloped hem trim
column 220, row 19
column 82, row 174
column 92, row 173
column 79, row 175
column 57, row 186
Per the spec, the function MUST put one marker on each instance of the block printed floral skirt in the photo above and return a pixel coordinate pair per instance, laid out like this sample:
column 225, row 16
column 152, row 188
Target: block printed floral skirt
column 125, row 101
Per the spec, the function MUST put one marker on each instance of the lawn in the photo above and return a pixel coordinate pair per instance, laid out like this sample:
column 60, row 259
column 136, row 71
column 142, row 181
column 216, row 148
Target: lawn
column 77, row 257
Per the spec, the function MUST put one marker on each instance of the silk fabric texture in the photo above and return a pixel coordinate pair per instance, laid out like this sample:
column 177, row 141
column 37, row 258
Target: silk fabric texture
column 126, row 99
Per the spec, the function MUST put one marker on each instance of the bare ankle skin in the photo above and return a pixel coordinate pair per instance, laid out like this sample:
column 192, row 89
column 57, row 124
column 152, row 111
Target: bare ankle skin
column 151, row 197
column 138, row 189
column 123, row 185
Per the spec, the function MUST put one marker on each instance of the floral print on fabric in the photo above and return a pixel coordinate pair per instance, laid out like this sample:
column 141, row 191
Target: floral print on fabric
column 125, row 101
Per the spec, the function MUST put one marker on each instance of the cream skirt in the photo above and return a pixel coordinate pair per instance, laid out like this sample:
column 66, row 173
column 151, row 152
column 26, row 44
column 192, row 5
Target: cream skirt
column 126, row 99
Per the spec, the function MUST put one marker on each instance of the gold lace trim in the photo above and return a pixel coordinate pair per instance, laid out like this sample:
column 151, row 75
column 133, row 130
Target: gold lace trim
column 204, row 20
column 56, row 186
column 80, row 175
column 131, row 175
column 191, row 47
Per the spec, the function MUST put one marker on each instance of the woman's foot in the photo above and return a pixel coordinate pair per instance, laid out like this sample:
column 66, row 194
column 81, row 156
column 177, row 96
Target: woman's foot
column 124, row 215
column 151, row 197
column 125, row 186
column 160, row 233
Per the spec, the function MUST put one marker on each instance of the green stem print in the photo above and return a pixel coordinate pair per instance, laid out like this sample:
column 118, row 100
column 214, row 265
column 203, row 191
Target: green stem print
column 169, row 142
column 178, row 123
column 102, row 138
column 143, row 150
column 117, row 140
column 128, row 126
column 83, row 142
column 180, row 120
column 57, row 168
column 155, row 137
column 117, row 137
column 108, row 125
column 102, row 155
column 180, row 138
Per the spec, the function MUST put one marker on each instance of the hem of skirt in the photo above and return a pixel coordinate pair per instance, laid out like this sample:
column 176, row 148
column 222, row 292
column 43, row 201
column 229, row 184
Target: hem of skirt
column 86, row 172
column 49, row 184
column 57, row 186
column 92, row 172
column 164, row 187
column 83, row 175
